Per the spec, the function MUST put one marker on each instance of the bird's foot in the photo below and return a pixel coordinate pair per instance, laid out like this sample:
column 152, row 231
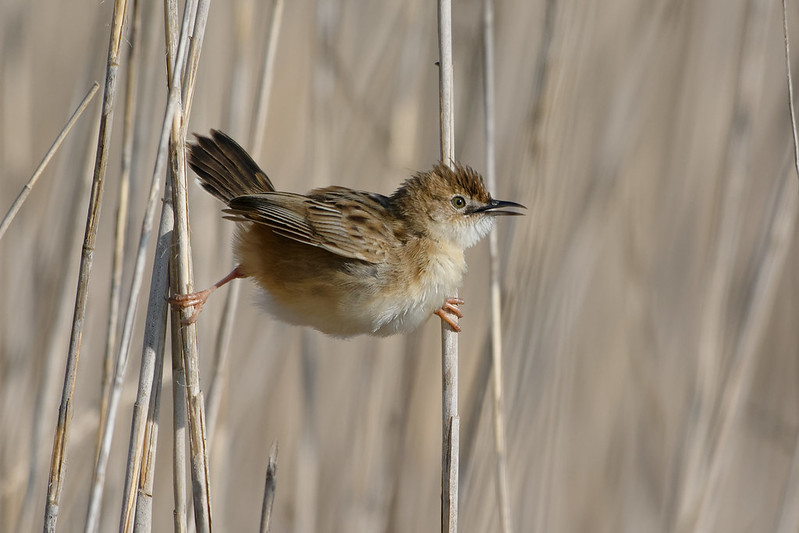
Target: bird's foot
column 449, row 308
column 197, row 299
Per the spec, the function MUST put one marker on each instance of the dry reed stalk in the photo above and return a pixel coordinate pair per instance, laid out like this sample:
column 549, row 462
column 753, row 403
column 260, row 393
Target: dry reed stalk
column 503, row 494
column 198, row 457
column 115, row 297
column 56, row 478
column 145, row 409
column 144, row 433
column 269, row 486
column 180, row 521
column 788, row 519
column 46, row 388
column 307, row 477
column 115, row 367
column 136, row 511
column 121, row 364
column 144, row 500
column 258, row 126
column 179, row 433
column 131, row 100
column 449, row 338
column 155, row 326
column 26, row 189
column 789, row 78
column 411, row 357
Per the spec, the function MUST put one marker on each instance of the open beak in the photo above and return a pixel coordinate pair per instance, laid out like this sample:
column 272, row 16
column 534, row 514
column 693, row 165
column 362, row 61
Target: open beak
column 499, row 207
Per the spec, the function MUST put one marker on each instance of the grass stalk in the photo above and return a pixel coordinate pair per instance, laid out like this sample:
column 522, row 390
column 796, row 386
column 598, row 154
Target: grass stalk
column 151, row 346
column 179, row 424
column 153, row 354
column 269, row 488
column 258, row 126
column 181, row 258
column 26, row 189
column 449, row 338
column 175, row 54
column 115, row 296
column 307, row 473
column 145, row 409
column 57, row 464
column 46, row 387
column 107, row 388
column 124, row 351
column 501, row 463
column 789, row 79
column 788, row 519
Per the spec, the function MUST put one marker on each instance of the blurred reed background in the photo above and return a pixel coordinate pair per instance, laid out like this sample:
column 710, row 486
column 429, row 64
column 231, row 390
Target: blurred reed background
column 650, row 317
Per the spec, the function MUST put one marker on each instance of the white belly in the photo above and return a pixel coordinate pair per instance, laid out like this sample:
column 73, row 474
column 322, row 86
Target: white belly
column 396, row 308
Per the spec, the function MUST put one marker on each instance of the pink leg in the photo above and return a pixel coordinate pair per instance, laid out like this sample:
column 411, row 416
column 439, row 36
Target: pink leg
column 197, row 299
column 450, row 306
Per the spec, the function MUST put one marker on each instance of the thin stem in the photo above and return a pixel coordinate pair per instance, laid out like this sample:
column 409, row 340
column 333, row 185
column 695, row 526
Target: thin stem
column 258, row 126
column 173, row 43
column 184, row 279
column 269, row 489
column 130, row 315
column 503, row 494
column 145, row 409
column 790, row 87
column 449, row 337
column 98, row 478
column 179, row 423
column 57, row 469
column 26, row 189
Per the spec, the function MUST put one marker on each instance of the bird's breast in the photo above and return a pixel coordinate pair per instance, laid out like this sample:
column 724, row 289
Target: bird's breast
column 430, row 273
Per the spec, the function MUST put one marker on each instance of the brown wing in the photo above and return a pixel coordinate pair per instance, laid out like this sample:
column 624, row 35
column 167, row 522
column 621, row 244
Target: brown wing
column 225, row 169
column 348, row 223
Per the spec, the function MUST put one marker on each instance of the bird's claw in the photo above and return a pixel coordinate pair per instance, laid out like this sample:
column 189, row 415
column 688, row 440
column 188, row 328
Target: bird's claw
column 451, row 307
column 195, row 299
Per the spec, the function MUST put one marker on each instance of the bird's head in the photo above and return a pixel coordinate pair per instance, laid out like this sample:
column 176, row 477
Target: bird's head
column 450, row 205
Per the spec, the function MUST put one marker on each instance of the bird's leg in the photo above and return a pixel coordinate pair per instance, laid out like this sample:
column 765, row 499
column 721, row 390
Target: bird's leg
column 197, row 299
column 450, row 306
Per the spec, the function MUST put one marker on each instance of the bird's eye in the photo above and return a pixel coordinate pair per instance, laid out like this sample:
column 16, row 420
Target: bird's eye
column 458, row 202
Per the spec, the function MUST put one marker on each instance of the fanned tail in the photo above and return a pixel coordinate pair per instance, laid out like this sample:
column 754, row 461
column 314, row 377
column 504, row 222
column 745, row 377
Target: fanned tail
column 225, row 169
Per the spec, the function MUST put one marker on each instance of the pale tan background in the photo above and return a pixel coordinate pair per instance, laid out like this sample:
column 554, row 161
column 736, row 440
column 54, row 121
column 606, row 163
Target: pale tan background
column 650, row 303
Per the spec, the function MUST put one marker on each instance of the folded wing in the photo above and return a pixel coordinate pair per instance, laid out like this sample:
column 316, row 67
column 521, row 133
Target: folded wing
column 352, row 224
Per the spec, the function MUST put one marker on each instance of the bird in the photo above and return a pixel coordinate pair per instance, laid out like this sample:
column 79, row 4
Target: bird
column 342, row 261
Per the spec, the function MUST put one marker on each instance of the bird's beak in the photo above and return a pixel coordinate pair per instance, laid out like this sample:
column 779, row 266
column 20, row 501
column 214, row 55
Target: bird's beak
column 498, row 207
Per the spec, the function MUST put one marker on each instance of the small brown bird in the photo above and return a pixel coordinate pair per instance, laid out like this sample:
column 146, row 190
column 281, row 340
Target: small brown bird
column 342, row 261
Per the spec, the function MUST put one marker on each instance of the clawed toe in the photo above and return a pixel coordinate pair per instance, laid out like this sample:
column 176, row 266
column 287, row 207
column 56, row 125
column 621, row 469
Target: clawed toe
column 451, row 306
column 195, row 299
column 187, row 300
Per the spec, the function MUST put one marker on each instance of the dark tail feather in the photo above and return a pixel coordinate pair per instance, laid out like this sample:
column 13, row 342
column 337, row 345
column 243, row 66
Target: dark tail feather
column 225, row 169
